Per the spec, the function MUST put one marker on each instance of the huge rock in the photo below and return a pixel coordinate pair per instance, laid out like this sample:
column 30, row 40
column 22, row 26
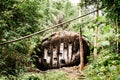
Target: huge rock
column 60, row 49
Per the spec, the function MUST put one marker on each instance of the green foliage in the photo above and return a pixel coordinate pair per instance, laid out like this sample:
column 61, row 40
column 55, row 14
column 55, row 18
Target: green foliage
column 105, row 67
column 18, row 18
column 112, row 8
column 13, row 17
column 12, row 64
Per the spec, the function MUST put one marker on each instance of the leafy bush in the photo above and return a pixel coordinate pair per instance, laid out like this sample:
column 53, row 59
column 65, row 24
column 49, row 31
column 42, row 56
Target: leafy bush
column 12, row 64
column 105, row 67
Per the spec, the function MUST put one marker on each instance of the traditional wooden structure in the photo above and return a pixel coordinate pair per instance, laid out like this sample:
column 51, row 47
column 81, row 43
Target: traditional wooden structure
column 61, row 49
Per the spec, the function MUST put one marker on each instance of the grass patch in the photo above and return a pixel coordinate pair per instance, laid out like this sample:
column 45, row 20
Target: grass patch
column 50, row 75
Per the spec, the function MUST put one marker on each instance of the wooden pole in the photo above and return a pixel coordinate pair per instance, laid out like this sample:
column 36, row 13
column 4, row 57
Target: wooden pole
column 81, row 50
column 81, row 42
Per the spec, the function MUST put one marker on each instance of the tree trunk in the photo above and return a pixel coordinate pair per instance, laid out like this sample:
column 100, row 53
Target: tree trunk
column 117, row 33
column 81, row 50
column 95, row 42
column 81, row 42
column 96, row 39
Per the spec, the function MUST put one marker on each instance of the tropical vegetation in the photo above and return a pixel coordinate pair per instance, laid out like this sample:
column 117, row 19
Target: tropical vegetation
column 19, row 18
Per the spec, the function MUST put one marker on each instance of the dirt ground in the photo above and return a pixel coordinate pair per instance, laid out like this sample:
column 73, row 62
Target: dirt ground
column 72, row 73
